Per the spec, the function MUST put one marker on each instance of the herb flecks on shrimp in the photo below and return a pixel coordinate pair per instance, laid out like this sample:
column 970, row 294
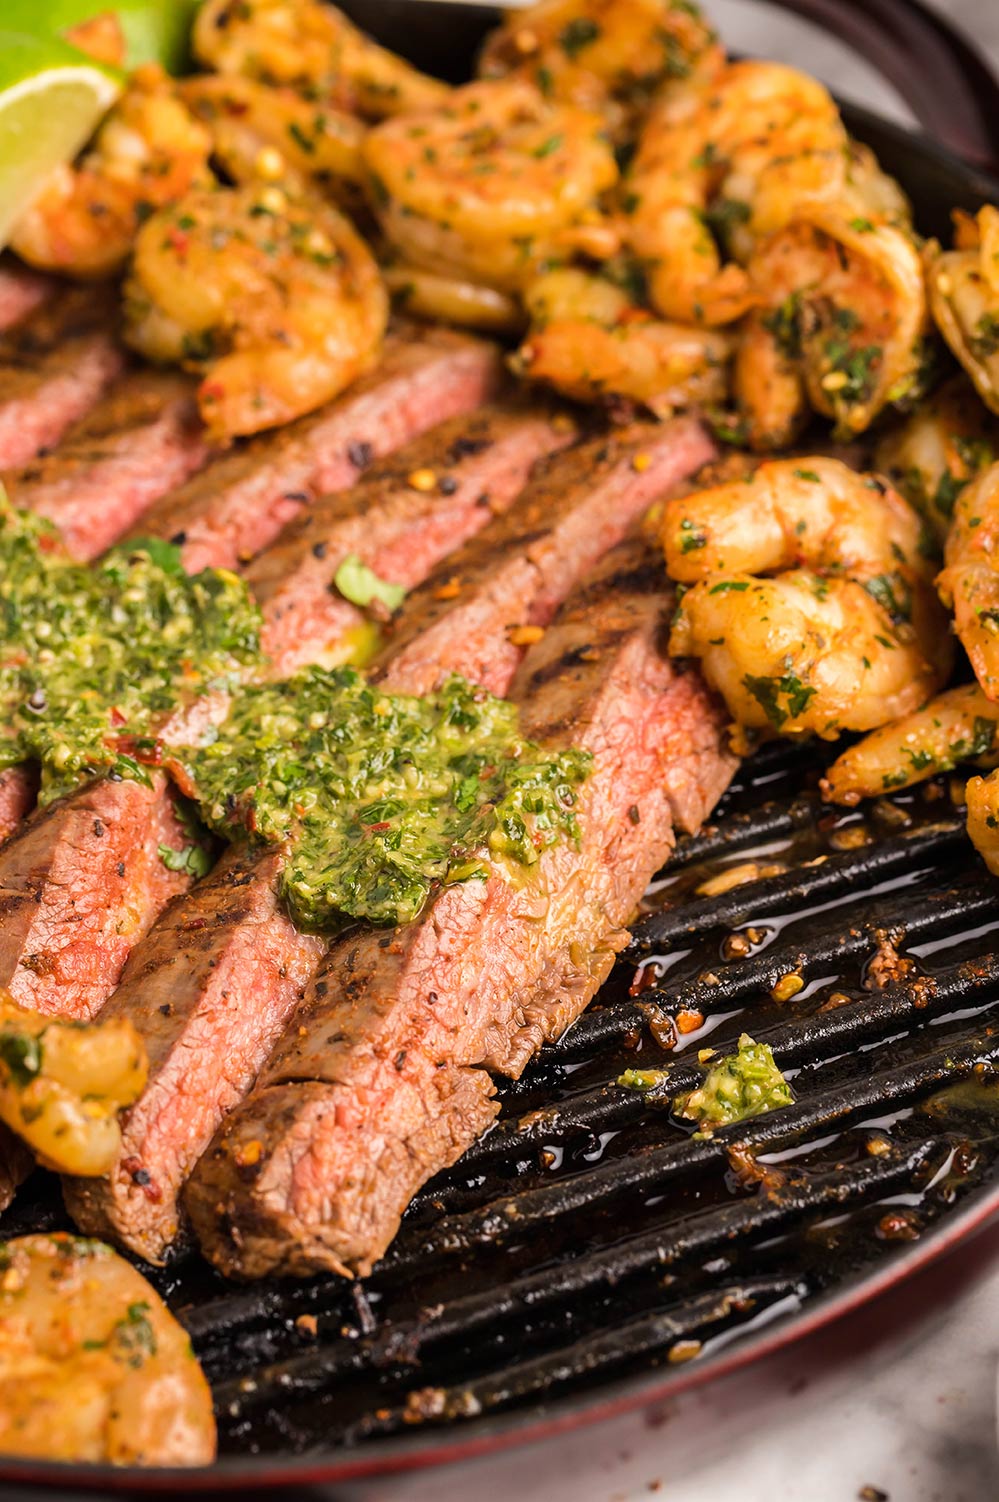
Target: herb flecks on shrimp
column 609, row 55
column 969, row 582
column 276, row 298
column 939, row 449
column 62, row 1085
column 958, row 726
column 591, row 342
column 719, row 168
column 313, row 48
column 840, row 327
column 148, row 152
column 964, row 298
column 493, row 187
column 846, row 634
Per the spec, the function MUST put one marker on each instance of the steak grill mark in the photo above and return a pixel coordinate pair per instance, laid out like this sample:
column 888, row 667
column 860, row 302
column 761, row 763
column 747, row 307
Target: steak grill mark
column 587, row 498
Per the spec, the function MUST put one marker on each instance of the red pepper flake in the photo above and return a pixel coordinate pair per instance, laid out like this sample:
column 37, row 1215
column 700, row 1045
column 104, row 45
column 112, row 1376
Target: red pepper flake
column 211, row 391
column 379, row 828
column 179, row 241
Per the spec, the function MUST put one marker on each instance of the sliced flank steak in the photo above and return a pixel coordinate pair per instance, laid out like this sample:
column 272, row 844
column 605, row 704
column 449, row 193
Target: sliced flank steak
column 21, row 292
column 53, row 367
column 232, row 1006
column 137, row 1204
column 382, row 1077
column 141, row 440
column 236, row 507
column 18, row 791
column 419, row 507
column 80, row 883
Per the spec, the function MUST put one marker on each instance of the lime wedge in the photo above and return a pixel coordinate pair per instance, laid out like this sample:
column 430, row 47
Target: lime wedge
column 51, row 101
column 156, row 31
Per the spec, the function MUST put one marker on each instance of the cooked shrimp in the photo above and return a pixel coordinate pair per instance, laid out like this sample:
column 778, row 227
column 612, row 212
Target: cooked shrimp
column 148, row 152
column 958, row 726
column 811, row 511
column 741, row 156
column 847, row 636
column 843, row 313
column 589, row 341
column 964, row 299
column 607, row 55
column 806, row 654
column 492, row 186
column 969, row 582
column 315, row 49
column 93, row 1366
column 936, row 451
column 982, row 795
column 260, row 131
column 277, row 299
column 452, row 299
column 62, row 1085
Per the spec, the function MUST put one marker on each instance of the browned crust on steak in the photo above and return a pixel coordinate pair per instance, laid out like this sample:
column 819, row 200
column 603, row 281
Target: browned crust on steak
column 237, row 506
column 316, row 1167
column 210, row 989
column 577, row 507
column 80, row 883
column 143, row 438
column 53, row 367
column 481, row 464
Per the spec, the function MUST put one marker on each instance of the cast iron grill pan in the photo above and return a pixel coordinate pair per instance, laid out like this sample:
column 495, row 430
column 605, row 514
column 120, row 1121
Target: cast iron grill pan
column 589, row 1248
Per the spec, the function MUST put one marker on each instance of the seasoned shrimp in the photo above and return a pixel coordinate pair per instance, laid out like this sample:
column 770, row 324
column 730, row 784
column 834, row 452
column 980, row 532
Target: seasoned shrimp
column 848, row 635
column 982, row 796
column 964, row 299
column 260, row 131
column 803, row 654
column 313, row 48
column 452, row 299
column 93, row 1366
column 741, row 157
column 589, row 341
column 148, row 152
column 62, row 1085
column 607, row 55
column 958, row 726
column 492, row 186
column 277, row 299
column 812, row 511
column 936, row 451
column 969, row 581
column 841, row 321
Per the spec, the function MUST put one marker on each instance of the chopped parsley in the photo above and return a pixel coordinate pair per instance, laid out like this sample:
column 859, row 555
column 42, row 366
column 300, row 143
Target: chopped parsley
column 691, row 537
column 768, row 693
column 579, row 33
column 741, row 1085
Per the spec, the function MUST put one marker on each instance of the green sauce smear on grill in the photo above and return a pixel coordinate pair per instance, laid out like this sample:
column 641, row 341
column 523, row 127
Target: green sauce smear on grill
column 382, row 796
column 378, row 798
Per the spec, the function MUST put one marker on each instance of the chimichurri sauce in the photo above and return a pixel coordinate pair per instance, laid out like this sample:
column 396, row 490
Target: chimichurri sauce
column 381, row 795
column 378, row 797
column 92, row 657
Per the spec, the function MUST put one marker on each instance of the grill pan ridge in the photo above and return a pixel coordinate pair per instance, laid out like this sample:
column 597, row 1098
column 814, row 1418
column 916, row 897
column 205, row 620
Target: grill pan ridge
column 587, row 1251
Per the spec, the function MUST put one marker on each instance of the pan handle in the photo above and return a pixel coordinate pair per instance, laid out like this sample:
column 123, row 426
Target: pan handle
column 945, row 80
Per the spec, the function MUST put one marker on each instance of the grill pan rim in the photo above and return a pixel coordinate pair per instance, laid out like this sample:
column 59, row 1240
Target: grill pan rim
column 924, row 167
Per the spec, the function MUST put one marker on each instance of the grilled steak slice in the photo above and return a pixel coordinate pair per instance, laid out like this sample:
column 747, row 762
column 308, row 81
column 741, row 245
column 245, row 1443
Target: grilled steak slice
column 18, row 791
column 80, row 883
column 237, row 506
column 576, row 509
column 210, row 989
column 465, row 471
column 381, row 1077
column 21, row 292
column 237, row 1040
column 258, row 959
column 53, row 367
column 15, row 1164
column 141, row 440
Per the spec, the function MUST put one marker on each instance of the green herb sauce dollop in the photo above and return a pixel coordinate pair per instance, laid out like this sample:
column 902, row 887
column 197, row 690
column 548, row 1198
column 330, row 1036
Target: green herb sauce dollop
column 382, row 796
